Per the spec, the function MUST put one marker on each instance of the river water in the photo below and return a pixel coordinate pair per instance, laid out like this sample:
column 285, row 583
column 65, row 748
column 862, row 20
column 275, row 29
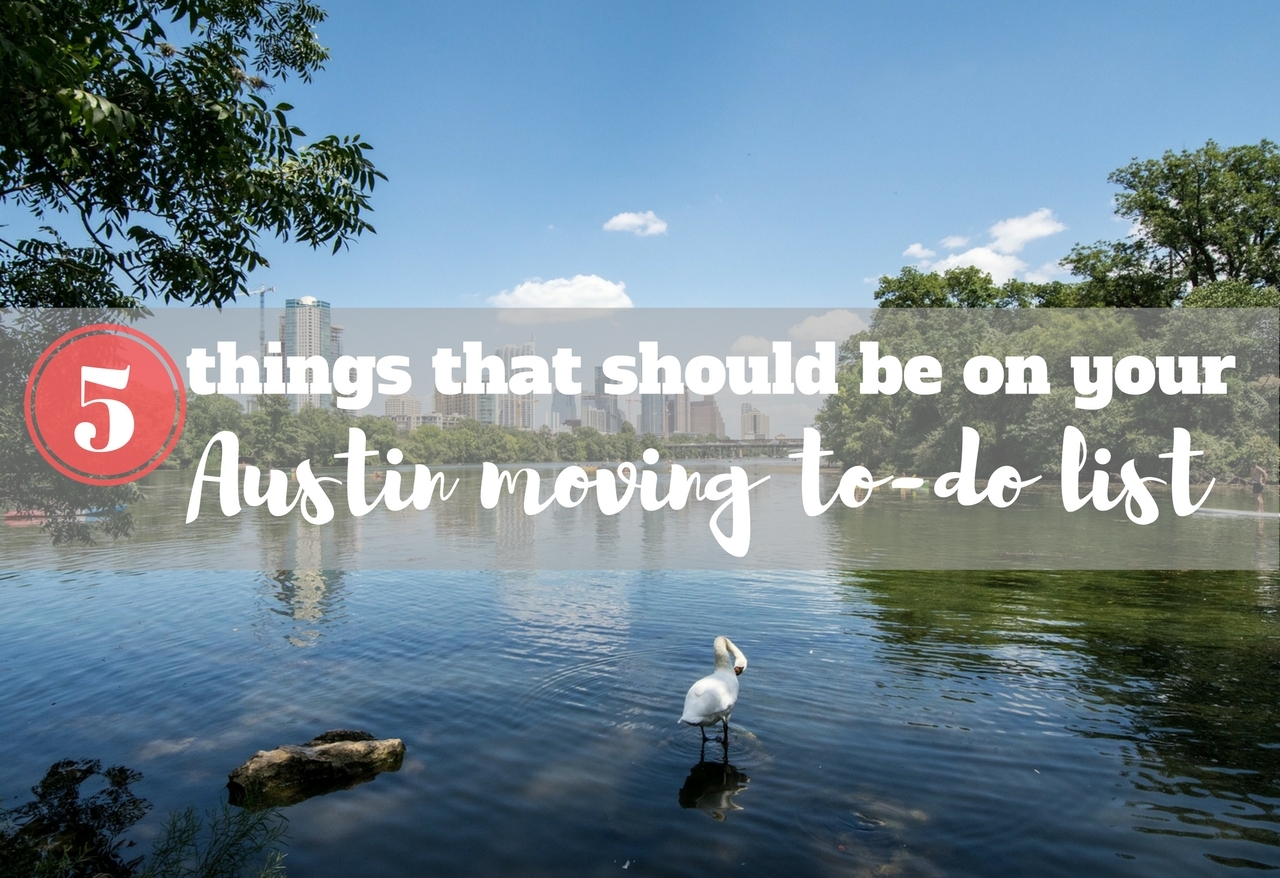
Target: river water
column 940, row 722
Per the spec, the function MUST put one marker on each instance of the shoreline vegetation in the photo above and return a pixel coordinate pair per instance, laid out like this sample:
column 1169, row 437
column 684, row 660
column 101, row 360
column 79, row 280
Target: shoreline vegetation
column 276, row 437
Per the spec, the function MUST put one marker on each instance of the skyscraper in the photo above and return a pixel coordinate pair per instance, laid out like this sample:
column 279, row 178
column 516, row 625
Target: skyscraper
column 405, row 411
column 705, row 419
column 463, row 405
column 306, row 332
column 653, row 414
column 755, row 424
column 510, row 409
column 564, row 407
column 607, row 403
column 678, row 413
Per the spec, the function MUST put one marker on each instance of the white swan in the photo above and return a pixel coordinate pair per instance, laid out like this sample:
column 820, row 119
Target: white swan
column 711, row 699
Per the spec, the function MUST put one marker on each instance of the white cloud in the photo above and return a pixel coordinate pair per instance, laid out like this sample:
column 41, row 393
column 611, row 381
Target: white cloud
column 580, row 291
column 834, row 326
column 1051, row 270
column 751, row 345
column 1011, row 235
column 1000, row 266
column 642, row 224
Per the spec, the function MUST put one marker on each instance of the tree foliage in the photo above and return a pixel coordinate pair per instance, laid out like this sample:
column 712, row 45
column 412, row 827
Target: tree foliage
column 161, row 156
column 906, row 432
column 1199, row 217
column 1205, row 218
column 969, row 287
column 28, row 484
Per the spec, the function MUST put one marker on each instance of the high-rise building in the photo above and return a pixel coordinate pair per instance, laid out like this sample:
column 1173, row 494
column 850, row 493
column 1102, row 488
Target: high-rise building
column 653, row 414
column 564, row 408
column 305, row 331
column 592, row 415
column 405, row 411
column 404, row 404
column 463, row 405
column 597, row 418
column 678, row 413
column 565, row 405
column 705, row 419
column 755, row 424
column 607, row 403
column 512, row 410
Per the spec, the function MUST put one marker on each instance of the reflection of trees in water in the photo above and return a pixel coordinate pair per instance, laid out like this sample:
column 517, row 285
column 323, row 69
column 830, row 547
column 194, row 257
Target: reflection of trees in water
column 1193, row 658
column 62, row 835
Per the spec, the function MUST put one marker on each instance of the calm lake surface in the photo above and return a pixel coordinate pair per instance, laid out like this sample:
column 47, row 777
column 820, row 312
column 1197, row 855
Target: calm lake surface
column 890, row 722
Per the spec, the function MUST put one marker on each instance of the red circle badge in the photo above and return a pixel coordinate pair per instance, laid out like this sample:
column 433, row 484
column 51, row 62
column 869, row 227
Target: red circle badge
column 105, row 404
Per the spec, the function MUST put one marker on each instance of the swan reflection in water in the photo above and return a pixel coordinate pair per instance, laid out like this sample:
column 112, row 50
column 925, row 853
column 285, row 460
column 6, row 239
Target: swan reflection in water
column 711, row 786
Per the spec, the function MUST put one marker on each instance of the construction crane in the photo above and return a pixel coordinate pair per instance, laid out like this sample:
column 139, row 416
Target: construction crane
column 261, row 293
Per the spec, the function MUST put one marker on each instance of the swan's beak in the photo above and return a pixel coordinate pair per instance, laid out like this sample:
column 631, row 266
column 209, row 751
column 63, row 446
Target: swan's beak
column 737, row 671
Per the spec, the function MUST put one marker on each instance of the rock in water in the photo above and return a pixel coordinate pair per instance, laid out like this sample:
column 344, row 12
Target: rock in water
column 336, row 760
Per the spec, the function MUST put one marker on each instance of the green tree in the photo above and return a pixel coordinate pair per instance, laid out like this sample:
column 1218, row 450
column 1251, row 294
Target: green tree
column 381, row 435
column 907, row 432
column 1200, row 217
column 152, row 166
column 273, row 435
column 966, row 287
column 1232, row 294
column 971, row 287
column 27, row 482
column 162, row 157
column 206, row 416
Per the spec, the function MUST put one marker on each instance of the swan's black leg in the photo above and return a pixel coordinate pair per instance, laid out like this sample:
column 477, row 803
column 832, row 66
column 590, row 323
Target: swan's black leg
column 703, row 729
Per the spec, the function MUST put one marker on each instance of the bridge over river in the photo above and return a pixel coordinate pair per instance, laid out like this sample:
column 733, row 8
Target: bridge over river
column 732, row 449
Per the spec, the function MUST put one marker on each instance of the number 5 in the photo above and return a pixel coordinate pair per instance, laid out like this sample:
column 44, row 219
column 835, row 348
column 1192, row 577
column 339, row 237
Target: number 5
column 119, row 416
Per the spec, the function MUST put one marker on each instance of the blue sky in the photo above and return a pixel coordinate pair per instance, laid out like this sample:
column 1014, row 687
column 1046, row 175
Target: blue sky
column 793, row 151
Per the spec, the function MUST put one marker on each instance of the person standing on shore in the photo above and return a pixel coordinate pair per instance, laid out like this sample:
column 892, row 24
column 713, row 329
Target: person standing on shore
column 1259, row 477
